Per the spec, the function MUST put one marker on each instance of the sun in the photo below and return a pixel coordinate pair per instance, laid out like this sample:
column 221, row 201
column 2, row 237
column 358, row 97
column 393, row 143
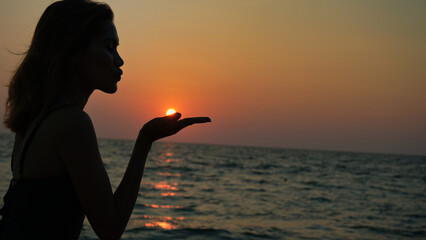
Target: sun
column 170, row 111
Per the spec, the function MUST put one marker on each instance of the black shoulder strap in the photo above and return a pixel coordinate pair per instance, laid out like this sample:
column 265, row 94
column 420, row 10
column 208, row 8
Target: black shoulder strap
column 30, row 134
column 13, row 152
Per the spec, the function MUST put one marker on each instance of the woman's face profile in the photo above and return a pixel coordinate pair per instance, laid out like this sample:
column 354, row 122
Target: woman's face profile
column 98, row 66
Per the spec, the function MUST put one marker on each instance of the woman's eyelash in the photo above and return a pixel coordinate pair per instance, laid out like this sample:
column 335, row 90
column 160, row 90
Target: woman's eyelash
column 110, row 47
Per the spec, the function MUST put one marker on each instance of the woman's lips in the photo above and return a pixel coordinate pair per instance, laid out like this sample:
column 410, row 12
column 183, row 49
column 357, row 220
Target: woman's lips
column 119, row 72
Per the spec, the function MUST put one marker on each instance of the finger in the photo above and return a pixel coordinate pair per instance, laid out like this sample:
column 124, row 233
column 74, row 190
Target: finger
column 189, row 121
column 175, row 116
column 198, row 120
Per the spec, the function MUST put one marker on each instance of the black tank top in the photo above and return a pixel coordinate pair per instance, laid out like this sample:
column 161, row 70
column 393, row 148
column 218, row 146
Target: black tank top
column 45, row 208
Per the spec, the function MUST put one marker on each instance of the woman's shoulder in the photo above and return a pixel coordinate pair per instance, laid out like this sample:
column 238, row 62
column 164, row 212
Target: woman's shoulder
column 69, row 111
column 69, row 118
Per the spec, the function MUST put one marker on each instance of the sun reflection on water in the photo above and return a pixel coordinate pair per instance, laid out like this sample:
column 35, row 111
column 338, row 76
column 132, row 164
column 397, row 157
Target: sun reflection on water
column 167, row 189
column 166, row 223
column 161, row 206
column 166, row 186
column 167, row 174
column 172, row 194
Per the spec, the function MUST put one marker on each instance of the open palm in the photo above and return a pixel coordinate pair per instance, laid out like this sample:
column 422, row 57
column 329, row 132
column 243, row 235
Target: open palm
column 162, row 127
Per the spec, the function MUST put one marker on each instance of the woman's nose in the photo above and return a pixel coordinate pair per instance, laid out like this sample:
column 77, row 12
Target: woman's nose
column 118, row 61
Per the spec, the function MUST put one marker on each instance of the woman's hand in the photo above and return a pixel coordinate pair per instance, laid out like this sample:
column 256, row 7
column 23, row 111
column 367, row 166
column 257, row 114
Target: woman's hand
column 166, row 126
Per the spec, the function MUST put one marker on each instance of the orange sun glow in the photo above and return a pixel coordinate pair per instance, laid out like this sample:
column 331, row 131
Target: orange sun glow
column 170, row 111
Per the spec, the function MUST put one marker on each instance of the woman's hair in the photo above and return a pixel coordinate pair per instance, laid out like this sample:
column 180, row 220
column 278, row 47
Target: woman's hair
column 65, row 28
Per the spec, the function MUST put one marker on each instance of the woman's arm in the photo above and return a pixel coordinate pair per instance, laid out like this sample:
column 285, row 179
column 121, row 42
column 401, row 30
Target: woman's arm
column 108, row 212
column 126, row 193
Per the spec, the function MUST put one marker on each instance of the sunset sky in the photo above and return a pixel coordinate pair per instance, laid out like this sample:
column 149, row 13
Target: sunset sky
column 331, row 75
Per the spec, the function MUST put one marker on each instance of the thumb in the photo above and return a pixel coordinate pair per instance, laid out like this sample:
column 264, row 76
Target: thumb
column 175, row 116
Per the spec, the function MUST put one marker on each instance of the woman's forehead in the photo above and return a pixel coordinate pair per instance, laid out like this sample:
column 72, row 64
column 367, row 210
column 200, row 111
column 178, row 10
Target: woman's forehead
column 108, row 31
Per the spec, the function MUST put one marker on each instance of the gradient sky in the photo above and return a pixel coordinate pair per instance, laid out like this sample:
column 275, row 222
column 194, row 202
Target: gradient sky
column 333, row 75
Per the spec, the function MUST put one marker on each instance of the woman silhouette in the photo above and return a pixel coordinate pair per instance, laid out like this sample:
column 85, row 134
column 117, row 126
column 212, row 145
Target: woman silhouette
column 58, row 174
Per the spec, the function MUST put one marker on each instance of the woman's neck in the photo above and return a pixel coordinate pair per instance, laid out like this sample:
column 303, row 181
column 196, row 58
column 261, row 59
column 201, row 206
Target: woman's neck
column 77, row 98
column 77, row 94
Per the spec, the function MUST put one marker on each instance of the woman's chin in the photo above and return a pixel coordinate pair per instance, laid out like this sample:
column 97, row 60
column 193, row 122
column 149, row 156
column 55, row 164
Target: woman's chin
column 110, row 90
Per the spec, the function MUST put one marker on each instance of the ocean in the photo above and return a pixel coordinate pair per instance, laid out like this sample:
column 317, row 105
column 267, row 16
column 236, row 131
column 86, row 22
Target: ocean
column 196, row 191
